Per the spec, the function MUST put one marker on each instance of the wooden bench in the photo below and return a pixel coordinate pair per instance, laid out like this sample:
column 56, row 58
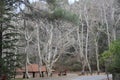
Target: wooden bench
column 62, row 73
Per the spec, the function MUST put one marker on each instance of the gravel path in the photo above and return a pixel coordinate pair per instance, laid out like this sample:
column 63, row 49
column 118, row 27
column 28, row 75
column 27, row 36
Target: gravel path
column 95, row 77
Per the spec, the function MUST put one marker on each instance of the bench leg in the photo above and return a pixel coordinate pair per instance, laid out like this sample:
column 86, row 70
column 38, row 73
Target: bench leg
column 33, row 74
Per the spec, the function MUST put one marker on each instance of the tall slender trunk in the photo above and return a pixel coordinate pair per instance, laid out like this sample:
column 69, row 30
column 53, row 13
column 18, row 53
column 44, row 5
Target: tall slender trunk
column 97, row 56
column 107, row 26
column 1, row 16
column 80, row 42
column 49, row 65
column 108, row 34
column 114, row 33
column 86, row 52
column 113, row 21
column 1, row 41
column 82, row 48
column 39, row 51
column 83, row 67
column 26, row 62
column 26, row 51
column 0, row 48
column 87, row 35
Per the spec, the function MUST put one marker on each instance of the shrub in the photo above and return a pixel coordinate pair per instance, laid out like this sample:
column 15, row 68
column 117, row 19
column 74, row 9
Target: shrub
column 112, row 57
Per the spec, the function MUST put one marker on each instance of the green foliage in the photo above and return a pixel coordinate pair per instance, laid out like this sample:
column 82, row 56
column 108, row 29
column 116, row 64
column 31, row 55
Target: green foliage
column 55, row 13
column 75, row 67
column 106, row 55
column 52, row 3
column 10, row 59
column 65, row 15
column 8, row 56
column 112, row 56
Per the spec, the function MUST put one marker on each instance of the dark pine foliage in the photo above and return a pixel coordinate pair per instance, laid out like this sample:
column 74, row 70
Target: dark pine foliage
column 8, row 39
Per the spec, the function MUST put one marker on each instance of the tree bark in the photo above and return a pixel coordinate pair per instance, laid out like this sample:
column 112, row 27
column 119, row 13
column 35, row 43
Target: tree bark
column 27, row 38
column 80, row 42
column 86, row 53
column 0, row 48
column 97, row 56
column 87, row 35
column 49, row 70
column 39, row 51
column 107, row 26
column 0, row 40
column 26, row 62
column 1, row 6
column 114, row 33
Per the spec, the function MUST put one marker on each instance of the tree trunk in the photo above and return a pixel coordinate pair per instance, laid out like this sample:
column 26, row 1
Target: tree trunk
column 114, row 33
column 49, row 73
column 26, row 51
column 0, row 48
column 97, row 56
column 107, row 26
column 80, row 42
column 39, row 51
column 26, row 62
column 49, row 70
column 1, row 16
column 0, row 41
column 87, row 35
column 86, row 52
column 83, row 67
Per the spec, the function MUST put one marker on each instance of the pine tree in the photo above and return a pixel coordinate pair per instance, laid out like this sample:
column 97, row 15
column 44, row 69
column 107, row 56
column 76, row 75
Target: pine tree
column 8, row 39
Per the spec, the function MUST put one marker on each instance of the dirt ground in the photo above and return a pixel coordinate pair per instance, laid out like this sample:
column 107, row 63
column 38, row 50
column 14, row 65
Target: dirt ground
column 70, row 76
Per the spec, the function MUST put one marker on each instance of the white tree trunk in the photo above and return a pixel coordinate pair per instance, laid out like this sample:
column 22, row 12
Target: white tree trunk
column 97, row 56
column 49, row 70
column 86, row 53
column 87, row 35
column 114, row 34
column 40, row 64
column 26, row 62
column 80, row 42
column 48, row 59
column 27, row 38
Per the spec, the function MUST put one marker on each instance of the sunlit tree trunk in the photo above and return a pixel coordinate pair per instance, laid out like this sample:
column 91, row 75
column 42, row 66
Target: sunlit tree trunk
column 114, row 24
column 114, row 33
column 82, row 47
column 80, row 42
column 26, row 62
column 39, row 51
column 97, row 55
column 87, row 38
column 86, row 52
column 28, row 39
column 49, row 66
